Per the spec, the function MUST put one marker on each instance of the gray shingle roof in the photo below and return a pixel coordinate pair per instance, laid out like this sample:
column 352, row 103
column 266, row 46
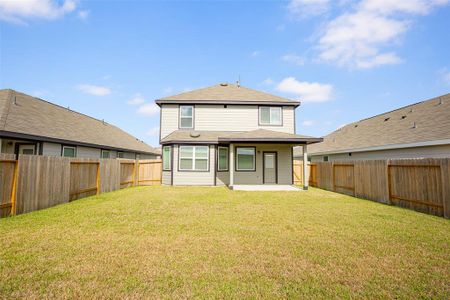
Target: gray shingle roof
column 24, row 114
column 260, row 135
column 420, row 122
column 227, row 94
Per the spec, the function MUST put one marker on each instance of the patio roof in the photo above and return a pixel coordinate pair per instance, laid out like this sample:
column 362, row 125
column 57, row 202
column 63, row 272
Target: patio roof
column 254, row 136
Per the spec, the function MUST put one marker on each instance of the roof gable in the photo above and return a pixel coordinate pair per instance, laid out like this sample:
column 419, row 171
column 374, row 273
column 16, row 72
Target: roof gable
column 227, row 93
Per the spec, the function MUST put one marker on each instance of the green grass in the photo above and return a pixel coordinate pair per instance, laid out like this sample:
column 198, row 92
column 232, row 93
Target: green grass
column 179, row 242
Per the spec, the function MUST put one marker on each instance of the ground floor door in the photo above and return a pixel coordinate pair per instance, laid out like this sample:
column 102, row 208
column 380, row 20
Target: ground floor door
column 270, row 166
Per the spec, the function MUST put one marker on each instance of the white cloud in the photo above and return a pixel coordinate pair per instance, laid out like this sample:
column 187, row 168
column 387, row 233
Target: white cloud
column 293, row 58
column 361, row 38
column 306, row 91
column 268, row 81
column 308, row 123
column 148, row 109
column 445, row 75
column 94, row 90
column 153, row 131
column 83, row 14
column 255, row 53
column 17, row 11
column 305, row 8
column 136, row 100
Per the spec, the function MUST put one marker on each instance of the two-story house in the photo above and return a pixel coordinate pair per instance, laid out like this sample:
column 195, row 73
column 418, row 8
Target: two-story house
column 228, row 135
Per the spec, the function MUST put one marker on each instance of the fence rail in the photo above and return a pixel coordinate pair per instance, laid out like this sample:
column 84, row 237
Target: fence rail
column 35, row 182
column 419, row 184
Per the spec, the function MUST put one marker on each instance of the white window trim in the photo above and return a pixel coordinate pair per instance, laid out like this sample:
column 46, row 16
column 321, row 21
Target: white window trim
column 254, row 159
column 170, row 158
column 270, row 116
column 101, row 154
column 218, row 159
column 69, row 147
column 193, row 158
column 191, row 117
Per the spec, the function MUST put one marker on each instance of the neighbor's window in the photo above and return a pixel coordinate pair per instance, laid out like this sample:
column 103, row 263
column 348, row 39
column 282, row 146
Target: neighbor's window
column 69, row 151
column 245, row 159
column 325, row 158
column 270, row 115
column 223, row 159
column 193, row 158
column 186, row 116
column 120, row 155
column 167, row 158
column 105, row 154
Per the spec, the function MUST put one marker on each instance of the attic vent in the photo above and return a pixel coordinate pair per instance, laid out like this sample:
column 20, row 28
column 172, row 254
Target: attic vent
column 224, row 84
column 194, row 134
column 403, row 117
column 387, row 119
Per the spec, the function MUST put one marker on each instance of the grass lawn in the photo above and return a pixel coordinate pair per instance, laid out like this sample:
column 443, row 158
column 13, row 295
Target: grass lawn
column 179, row 242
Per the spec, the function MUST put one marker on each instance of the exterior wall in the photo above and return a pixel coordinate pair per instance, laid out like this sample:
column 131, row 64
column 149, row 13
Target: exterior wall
column 284, row 155
column 166, row 178
column 9, row 149
column 85, row 152
column 194, row 177
column 146, row 156
column 223, row 178
column 219, row 118
column 51, row 149
column 442, row 151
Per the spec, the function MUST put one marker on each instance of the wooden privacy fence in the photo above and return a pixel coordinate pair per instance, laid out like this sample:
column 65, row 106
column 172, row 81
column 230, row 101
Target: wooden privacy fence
column 35, row 182
column 419, row 184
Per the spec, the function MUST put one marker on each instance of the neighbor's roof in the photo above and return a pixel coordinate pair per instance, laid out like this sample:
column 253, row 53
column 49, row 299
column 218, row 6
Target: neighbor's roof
column 419, row 124
column 214, row 137
column 31, row 117
column 226, row 93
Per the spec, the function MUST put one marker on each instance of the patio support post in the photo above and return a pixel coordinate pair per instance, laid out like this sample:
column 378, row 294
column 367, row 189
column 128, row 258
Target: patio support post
column 231, row 165
column 305, row 167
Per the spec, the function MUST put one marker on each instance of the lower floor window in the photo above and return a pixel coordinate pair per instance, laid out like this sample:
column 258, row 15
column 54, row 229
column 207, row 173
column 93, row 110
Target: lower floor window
column 69, row 151
column 105, row 154
column 245, row 159
column 193, row 158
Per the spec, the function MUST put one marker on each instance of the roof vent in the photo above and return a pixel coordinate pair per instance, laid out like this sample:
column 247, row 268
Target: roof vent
column 403, row 117
column 387, row 119
column 194, row 134
column 15, row 100
column 440, row 102
column 224, row 84
column 414, row 125
column 356, row 125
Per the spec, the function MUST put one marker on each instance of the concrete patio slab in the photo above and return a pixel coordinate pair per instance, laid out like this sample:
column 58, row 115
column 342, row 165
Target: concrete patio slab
column 266, row 187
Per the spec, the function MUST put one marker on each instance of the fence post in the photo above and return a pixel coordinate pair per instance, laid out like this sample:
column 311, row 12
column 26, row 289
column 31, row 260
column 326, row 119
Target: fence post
column 98, row 178
column 388, row 181
column 14, row 189
column 445, row 178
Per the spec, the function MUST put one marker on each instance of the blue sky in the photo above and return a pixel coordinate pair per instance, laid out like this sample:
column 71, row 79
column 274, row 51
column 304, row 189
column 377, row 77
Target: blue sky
column 345, row 60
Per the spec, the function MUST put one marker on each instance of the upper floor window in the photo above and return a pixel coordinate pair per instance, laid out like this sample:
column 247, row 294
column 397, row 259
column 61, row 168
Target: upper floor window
column 186, row 116
column 270, row 115
column 69, row 151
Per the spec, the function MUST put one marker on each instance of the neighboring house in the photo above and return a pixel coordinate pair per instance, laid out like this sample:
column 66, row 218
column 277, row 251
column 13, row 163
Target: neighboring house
column 29, row 125
column 420, row 130
column 228, row 135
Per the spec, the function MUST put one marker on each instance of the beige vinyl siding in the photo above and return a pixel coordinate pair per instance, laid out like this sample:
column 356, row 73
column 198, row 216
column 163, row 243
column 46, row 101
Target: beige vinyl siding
column 219, row 118
column 441, row 151
column 256, row 177
column 129, row 155
column 223, row 178
column 194, row 177
column 166, row 178
column 87, row 152
column 169, row 119
column 238, row 118
column 51, row 149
